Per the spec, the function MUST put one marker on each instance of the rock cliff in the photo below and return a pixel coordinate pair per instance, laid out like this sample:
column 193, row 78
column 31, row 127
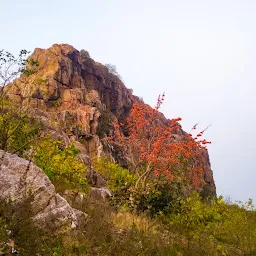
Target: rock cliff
column 76, row 98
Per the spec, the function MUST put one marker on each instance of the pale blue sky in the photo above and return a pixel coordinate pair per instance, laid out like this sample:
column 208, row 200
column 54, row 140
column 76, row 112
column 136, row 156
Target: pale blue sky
column 201, row 53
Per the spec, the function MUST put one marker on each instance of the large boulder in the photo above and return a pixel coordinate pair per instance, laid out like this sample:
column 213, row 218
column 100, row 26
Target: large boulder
column 20, row 179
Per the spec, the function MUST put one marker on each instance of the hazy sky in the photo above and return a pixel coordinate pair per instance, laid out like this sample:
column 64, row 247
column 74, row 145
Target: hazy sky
column 201, row 53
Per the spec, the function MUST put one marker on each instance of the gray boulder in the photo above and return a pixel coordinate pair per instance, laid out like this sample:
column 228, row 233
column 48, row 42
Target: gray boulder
column 20, row 178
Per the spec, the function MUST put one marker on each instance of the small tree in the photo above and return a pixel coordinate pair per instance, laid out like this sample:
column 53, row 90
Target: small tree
column 10, row 66
column 112, row 70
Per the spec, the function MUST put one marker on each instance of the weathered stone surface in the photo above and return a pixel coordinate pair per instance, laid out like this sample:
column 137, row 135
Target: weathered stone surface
column 20, row 178
column 100, row 194
column 73, row 197
column 95, row 179
column 79, row 200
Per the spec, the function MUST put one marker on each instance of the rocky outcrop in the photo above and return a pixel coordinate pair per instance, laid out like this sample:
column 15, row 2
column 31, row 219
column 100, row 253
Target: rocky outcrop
column 20, row 179
column 95, row 179
column 80, row 201
column 70, row 94
column 76, row 98
column 100, row 194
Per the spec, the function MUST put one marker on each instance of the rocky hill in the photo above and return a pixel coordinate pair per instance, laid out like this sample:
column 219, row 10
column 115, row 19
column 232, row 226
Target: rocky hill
column 57, row 200
column 77, row 99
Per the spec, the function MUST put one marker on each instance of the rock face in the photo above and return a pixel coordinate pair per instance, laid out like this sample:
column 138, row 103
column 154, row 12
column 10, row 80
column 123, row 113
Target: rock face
column 100, row 194
column 72, row 94
column 20, row 178
column 76, row 98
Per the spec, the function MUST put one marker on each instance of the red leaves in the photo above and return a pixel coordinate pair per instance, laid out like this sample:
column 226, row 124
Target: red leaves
column 154, row 143
column 177, row 119
column 204, row 142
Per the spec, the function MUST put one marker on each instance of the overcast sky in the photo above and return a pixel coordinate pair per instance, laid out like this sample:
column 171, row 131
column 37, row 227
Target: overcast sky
column 201, row 53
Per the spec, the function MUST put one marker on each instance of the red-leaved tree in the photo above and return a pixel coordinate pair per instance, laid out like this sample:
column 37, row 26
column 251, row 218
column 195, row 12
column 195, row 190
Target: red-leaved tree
column 156, row 146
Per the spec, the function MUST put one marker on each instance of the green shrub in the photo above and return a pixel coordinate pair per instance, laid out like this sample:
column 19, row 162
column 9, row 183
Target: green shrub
column 158, row 198
column 104, row 236
column 215, row 228
column 61, row 164
column 17, row 129
column 28, row 129
column 238, row 228
column 196, row 217
column 117, row 177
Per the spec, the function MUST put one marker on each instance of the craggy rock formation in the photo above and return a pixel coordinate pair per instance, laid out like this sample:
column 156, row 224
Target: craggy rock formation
column 72, row 94
column 20, row 178
column 77, row 98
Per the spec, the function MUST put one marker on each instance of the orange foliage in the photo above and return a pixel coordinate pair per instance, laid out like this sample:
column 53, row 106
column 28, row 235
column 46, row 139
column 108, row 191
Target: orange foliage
column 160, row 146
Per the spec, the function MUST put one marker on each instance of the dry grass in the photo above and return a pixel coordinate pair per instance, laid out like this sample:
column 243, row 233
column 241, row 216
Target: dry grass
column 126, row 220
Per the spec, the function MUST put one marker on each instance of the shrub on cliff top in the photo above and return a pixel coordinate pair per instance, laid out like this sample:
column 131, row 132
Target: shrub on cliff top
column 112, row 70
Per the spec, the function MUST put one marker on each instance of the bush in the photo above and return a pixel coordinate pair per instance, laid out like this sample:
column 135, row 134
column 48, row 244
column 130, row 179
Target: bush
column 17, row 129
column 238, row 228
column 215, row 228
column 84, row 54
column 27, row 130
column 106, row 234
column 117, row 177
column 158, row 198
column 112, row 70
column 61, row 164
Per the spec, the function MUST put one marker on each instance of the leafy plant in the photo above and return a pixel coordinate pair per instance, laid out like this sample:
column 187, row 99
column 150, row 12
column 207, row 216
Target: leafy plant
column 17, row 129
column 117, row 177
column 61, row 164
column 158, row 198
column 215, row 228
